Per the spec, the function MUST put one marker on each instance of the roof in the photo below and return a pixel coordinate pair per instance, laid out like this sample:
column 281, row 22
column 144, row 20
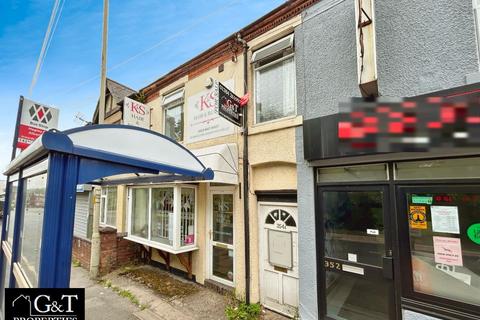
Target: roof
column 135, row 149
column 118, row 92
column 218, row 52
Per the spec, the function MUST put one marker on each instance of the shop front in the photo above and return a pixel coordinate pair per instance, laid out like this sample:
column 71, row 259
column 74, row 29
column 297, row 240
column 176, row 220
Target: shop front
column 399, row 239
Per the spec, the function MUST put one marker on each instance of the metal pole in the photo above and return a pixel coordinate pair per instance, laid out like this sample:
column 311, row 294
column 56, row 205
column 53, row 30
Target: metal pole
column 95, row 247
column 17, row 127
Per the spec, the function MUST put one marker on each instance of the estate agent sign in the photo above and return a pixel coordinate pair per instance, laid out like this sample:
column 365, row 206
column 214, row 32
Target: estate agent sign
column 229, row 105
column 35, row 119
column 203, row 118
column 136, row 113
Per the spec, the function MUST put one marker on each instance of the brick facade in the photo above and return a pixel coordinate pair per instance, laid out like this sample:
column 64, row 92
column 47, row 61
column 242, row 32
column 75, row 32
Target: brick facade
column 115, row 251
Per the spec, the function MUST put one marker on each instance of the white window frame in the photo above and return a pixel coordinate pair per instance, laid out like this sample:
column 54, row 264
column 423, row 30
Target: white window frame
column 173, row 100
column 103, row 219
column 176, row 247
column 276, row 61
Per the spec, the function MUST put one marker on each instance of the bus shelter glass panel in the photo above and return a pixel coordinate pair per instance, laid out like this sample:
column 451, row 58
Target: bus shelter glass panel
column 12, row 204
column 31, row 226
column 444, row 230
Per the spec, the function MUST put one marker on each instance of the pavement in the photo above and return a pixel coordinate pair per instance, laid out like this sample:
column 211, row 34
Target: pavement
column 103, row 302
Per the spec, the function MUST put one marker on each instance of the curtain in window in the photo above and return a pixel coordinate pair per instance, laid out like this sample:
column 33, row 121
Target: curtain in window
column 140, row 212
column 111, row 218
column 275, row 91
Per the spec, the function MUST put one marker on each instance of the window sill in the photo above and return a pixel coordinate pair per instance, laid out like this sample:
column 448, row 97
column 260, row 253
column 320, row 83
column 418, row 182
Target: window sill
column 160, row 246
column 274, row 125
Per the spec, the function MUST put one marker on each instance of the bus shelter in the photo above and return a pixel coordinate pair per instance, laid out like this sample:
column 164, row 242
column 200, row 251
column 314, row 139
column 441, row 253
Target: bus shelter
column 37, row 230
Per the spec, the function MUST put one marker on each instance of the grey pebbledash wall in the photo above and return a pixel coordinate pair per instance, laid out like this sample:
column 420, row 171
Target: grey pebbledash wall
column 422, row 46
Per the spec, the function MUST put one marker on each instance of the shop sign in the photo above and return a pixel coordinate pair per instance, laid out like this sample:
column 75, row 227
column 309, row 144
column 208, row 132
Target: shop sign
column 473, row 233
column 448, row 251
column 136, row 113
column 35, row 119
column 229, row 105
column 422, row 200
column 418, row 217
column 203, row 119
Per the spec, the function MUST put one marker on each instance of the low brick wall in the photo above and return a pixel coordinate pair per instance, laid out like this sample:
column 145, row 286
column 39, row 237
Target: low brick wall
column 115, row 251
column 81, row 251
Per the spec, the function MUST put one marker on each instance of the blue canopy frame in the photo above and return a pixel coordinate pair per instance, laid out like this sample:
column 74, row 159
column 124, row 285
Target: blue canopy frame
column 80, row 156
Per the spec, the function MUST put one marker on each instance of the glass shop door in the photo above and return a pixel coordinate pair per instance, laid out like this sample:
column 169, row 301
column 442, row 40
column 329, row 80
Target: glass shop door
column 354, row 224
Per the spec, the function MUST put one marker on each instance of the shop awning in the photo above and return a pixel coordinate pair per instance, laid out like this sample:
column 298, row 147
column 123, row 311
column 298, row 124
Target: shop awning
column 221, row 159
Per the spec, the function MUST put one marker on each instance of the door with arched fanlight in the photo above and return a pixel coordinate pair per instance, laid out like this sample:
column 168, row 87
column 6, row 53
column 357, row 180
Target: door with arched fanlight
column 278, row 245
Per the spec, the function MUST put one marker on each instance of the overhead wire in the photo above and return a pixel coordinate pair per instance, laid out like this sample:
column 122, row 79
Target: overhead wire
column 45, row 44
column 169, row 38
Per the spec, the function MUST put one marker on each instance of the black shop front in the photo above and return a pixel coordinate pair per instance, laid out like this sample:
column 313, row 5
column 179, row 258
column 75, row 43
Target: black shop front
column 397, row 233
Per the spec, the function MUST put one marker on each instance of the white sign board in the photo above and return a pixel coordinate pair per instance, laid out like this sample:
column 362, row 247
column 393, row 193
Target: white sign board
column 445, row 219
column 136, row 113
column 280, row 248
column 203, row 120
column 36, row 118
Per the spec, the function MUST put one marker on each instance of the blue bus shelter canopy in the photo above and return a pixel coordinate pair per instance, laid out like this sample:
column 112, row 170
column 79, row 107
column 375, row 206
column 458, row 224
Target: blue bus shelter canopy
column 106, row 150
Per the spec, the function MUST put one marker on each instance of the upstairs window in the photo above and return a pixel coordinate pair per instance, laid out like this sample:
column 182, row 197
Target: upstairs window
column 108, row 207
column 275, row 86
column 173, row 115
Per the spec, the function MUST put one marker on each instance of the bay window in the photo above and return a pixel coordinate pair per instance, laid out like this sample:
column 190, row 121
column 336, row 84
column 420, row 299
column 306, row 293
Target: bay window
column 163, row 217
column 275, row 86
column 108, row 206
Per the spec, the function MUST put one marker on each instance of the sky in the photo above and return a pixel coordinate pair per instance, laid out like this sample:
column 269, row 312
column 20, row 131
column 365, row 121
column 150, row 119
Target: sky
column 178, row 30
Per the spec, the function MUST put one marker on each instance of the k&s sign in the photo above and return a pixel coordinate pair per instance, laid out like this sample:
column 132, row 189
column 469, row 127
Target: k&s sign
column 136, row 113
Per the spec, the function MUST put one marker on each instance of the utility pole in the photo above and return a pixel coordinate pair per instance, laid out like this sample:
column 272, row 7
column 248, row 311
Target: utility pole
column 95, row 247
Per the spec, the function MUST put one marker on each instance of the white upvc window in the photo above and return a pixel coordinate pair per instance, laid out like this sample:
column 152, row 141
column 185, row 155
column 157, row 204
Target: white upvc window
column 108, row 207
column 275, row 85
column 173, row 115
column 163, row 217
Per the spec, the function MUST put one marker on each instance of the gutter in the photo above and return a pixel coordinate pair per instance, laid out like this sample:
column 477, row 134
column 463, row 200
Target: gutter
column 246, row 190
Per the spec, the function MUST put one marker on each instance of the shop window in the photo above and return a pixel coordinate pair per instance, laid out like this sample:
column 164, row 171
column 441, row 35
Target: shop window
column 187, row 207
column 275, row 86
column 444, row 233
column 139, row 219
column 173, row 115
column 465, row 168
column 108, row 207
column 12, row 204
column 32, row 224
column 163, row 217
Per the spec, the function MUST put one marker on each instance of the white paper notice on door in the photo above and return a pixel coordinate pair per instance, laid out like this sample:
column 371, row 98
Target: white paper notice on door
column 445, row 219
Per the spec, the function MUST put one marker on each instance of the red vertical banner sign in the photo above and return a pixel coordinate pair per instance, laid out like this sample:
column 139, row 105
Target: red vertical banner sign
column 33, row 120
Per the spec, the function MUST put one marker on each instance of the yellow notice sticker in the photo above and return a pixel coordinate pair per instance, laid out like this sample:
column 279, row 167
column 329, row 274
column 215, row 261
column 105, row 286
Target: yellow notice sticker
column 418, row 217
